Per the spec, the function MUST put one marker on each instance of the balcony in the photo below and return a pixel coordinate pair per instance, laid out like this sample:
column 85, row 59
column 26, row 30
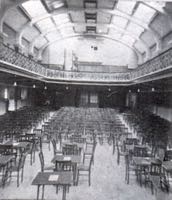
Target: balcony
column 17, row 61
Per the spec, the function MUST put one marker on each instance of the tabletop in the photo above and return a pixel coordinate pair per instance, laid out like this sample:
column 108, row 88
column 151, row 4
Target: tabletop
column 16, row 144
column 79, row 145
column 53, row 178
column 144, row 161
column 4, row 159
column 61, row 158
column 167, row 165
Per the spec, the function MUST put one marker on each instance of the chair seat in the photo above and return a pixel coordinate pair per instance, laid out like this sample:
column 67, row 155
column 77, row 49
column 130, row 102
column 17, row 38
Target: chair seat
column 59, row 152
column 88, row 151
column 83, row 167
column 49, row 167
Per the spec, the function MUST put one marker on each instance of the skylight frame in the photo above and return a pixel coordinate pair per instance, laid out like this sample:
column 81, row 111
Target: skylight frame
column 119, row 21
column 144, row 13
column 45, row 24
column 61, row 19
column 135, row 29
column 126, row 6
column 29, row 8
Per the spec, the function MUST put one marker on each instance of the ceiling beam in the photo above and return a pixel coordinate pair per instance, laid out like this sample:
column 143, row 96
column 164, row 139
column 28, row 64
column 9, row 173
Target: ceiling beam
column 108, row 11
column 117, row 28
column 84, row 35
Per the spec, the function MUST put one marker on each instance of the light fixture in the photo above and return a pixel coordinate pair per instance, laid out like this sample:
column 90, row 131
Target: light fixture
column 45, row 88
column 67, row 87
column 34, row 86
column 129, row 91
column 153, row 89
column 109, row 89
column 6, row 93
column 15, row 84
column 138, row 90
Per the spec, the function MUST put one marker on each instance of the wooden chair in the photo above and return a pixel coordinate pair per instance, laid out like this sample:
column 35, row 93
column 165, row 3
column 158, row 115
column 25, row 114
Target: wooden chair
column 43, row 166
column 18, row 168
column 55, row 148
column 120, row 151
column 85, row 170
column 154, row 176
column 129, row 168
column 89, row 151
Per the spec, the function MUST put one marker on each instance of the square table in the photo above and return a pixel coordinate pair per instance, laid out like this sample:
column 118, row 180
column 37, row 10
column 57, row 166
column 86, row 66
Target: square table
column 75, row 160
column 63, row 179
column 5, row 164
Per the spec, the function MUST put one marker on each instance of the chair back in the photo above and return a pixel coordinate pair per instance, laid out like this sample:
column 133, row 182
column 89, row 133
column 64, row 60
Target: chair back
column 160, row 153
column 22, row 161
column 168, row 155
column 41, row 158
column 70, row 150
column 140, row 151
column 63, row 165
column 54, row 146
column 155, row 169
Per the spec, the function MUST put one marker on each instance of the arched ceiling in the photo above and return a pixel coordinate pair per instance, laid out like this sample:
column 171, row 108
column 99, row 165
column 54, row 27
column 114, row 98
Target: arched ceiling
column 58, row 19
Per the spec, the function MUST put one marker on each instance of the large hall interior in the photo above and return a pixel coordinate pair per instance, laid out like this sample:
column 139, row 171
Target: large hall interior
column 85, row 100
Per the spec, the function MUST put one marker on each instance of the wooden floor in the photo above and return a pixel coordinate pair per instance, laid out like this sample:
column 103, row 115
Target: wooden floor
column 107, row 182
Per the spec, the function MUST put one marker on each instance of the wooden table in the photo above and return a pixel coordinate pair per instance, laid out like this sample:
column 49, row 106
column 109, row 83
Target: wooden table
column 63, row 179
column 79, row 145
column 141, row 164
column 75, row 160
column 5, row 164
column 167, row 171
column 16, row 145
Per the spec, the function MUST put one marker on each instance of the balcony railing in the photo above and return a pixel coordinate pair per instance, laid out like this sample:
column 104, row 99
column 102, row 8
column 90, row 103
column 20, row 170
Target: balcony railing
column 87, row 76
column 9, row 55
column 157, row 64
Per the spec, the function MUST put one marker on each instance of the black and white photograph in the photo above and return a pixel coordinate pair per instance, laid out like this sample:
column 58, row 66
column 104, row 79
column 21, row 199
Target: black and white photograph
column 85, row 100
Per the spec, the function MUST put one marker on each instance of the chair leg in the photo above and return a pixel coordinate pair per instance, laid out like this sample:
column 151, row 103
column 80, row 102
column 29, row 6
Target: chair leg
column 118, row 159
column 84, row 158
column 152, row 188
column 89, row 178
column 22, row 174
column 18, row 178
column 77, row 178
column 31, row 158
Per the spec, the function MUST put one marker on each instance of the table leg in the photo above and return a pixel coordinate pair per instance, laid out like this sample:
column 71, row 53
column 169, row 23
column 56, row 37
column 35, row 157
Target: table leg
column 43, row 186
column 38, row 192
column 64, row 193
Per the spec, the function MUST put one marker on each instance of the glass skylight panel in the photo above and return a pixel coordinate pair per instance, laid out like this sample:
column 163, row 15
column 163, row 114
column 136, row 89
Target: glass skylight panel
column 128, row 40
column 40, row 42
column 53, row 36
column 144, row 13
column 135, row 29
column 156, row 5
column 34, row 8
column 61, row 19
column 114, row 34
column 119, row 21
column 45, row 24
column 126, row 6
column 66, row 31
column 57, row 4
